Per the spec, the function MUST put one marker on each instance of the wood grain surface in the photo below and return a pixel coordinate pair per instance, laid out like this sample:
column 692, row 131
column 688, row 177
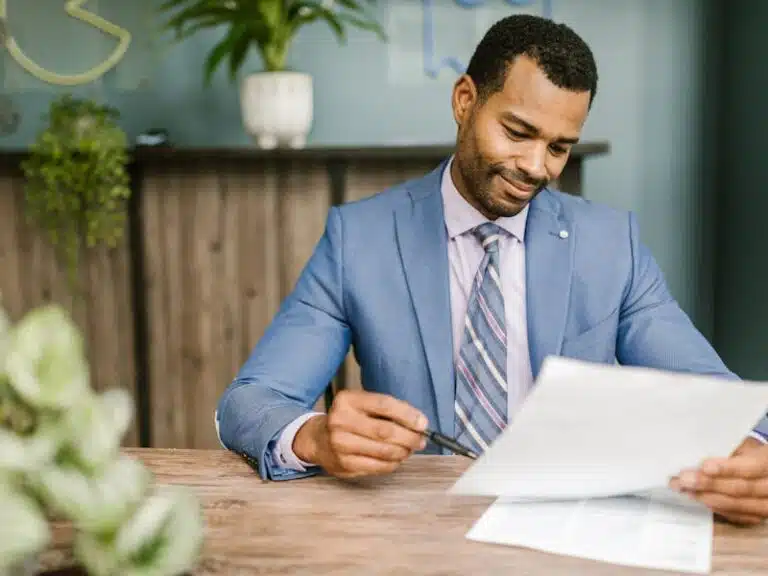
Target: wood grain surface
column 32, row 275
column 401, row 524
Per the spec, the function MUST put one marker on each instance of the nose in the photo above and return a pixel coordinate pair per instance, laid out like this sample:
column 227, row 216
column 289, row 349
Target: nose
column 534, row 161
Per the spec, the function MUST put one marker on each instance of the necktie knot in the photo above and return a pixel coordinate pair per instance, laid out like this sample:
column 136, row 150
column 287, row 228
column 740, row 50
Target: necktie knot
column 488, row 235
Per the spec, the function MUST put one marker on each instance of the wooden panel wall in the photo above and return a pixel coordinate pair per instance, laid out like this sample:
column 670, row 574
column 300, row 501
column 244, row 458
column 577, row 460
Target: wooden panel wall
column 31, row 275
column 223, row 244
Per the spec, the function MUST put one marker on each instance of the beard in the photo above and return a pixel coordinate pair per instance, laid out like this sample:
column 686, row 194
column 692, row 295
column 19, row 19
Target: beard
column 484, row 189
column 478, row 176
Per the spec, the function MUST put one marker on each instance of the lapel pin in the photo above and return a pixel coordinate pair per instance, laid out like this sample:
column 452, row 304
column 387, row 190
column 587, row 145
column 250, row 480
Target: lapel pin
column 563, row 234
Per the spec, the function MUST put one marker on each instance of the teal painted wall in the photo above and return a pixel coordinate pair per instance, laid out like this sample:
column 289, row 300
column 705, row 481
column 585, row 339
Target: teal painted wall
column 741, row 297
column 651, row 55
column 360, row 87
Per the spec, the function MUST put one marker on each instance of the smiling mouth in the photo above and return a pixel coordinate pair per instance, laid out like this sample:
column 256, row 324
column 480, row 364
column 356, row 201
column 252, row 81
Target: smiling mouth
column 518, row 187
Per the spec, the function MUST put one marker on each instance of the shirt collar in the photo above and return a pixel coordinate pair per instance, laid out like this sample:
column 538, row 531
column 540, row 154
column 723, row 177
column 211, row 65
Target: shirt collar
column 461, row 216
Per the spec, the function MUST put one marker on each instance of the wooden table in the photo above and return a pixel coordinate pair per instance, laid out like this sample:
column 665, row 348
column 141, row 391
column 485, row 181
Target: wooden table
column 400, row 525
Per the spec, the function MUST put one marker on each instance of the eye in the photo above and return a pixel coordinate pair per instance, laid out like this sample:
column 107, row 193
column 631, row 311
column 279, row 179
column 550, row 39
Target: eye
column 515, row 134
column 557, row 149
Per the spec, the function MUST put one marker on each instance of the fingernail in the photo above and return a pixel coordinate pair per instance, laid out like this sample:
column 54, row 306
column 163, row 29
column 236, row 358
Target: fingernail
column 423, row 444
column 421, row 423
column 688, row 480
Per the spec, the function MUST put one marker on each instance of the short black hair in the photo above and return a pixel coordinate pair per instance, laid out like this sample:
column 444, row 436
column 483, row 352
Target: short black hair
column 563, row 56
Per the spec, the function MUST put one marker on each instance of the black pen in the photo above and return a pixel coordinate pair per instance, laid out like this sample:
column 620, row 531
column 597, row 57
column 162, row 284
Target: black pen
column 450, row 443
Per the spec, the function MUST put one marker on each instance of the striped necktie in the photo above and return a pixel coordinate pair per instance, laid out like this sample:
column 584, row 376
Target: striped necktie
column 481, row 368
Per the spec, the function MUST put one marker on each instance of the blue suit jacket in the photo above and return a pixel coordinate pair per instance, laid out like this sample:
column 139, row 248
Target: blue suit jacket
column 378, row 280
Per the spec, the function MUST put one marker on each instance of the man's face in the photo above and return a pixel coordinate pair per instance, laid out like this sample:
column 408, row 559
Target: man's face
column 514, row 143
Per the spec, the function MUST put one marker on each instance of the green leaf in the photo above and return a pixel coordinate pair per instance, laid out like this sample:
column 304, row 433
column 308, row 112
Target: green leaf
column 23, row 531
column 45, row 361
column 350, row 5
column 365, row 24
column 238, row 53
column 26, row 454
column 163, row 536
column 182, row 32
column 75, row 163
column 95, row 428
column 171, row 4
column 200, row 9
column 270, row 11
column 97, row 503
column 308, row 12
column 269, row 24
column 221, row 50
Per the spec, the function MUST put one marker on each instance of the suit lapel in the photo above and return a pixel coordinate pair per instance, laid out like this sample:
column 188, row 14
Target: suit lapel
column 549, row 245
column 422, row 241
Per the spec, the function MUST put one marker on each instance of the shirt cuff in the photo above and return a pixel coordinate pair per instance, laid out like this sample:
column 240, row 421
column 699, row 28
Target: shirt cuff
column 759, row 436
column 282, row 452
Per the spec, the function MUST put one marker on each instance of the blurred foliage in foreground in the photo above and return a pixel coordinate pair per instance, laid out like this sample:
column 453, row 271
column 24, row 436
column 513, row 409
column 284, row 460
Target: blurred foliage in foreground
column 60, row 458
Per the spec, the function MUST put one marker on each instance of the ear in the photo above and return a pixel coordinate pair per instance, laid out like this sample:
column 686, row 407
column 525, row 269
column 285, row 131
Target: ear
column 463, row 99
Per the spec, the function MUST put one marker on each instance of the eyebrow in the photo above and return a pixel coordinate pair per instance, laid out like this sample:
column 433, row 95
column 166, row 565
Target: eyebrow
column 511, row 117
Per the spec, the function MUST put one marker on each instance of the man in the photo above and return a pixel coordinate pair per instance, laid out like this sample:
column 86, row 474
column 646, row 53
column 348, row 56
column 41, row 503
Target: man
column 453, row 288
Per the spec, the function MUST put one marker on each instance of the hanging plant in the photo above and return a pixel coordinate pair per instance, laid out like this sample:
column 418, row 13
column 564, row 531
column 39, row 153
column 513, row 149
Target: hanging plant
column 77, row 183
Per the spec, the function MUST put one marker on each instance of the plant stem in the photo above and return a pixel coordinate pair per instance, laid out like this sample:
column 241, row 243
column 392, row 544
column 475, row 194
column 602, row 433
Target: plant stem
column 275, row 54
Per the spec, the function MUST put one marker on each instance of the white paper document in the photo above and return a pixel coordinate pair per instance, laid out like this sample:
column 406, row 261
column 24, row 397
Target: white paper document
column 626, row 531
column 590, row 430
column 584, row 466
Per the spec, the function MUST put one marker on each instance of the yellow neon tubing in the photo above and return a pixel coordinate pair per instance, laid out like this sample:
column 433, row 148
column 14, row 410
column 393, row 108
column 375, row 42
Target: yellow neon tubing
column 74, row 9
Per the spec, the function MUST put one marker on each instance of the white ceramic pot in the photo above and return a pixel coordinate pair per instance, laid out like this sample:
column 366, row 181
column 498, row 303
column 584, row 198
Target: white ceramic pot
column 277, row 108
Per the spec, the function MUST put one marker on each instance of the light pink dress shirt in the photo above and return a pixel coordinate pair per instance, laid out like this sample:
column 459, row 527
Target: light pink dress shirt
column 464, row 256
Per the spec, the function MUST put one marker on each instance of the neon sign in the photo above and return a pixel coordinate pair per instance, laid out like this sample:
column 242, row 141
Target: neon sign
column 75, row 10
column 432, row 65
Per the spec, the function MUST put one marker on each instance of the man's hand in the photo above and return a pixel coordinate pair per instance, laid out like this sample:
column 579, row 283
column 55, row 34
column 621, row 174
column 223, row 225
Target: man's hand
column 364, row 434
column 734, row 488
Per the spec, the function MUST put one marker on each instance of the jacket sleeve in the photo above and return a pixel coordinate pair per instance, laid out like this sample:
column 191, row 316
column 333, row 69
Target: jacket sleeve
column 293, row 363
column 655, row 332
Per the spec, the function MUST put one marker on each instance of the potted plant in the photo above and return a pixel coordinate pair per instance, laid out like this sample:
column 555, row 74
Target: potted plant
column 276, row 104
column 60, row 459
column 77, row 184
